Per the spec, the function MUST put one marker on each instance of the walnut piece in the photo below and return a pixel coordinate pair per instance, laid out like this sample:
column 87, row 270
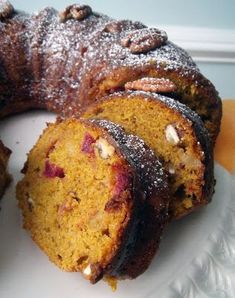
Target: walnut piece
column 191, row 161
column 104, row 148
column 75, row 11
column 144, row 40
column 159, row 85
column 6, row 10
column 171, row 134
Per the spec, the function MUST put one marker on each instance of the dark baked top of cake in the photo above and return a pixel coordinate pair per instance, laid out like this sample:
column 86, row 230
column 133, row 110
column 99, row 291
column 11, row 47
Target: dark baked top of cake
column 151, row 190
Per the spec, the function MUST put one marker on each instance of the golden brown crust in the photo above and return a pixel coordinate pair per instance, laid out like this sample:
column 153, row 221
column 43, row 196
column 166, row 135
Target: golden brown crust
column 152, row 213
column 65, row 66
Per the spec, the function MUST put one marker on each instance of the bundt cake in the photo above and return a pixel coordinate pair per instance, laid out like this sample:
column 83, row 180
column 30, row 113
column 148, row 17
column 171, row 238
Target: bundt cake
column 94, row 199
column 65, row 61
column 4, row 176
column 177, row 136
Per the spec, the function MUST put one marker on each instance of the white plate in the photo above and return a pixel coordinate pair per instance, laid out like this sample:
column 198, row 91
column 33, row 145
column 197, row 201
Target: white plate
column 196, row 257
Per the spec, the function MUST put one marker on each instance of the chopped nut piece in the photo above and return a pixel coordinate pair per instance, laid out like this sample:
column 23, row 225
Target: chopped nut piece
column 68, row 205
column 87, row 270
column 172, row 135
column 171, row 169
column 95, row 219
column 104, row 148
column 30, row 203
column 191, row 161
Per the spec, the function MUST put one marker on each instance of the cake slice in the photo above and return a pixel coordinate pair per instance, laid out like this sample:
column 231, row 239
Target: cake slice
column 175, row 133
column 4, row 176
column 94, row 199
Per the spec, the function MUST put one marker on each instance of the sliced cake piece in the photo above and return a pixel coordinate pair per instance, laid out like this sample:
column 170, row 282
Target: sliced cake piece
column 94, row 199
column 175, row 133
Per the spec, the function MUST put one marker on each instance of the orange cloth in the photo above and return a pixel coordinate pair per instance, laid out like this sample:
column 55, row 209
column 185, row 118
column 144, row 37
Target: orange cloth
column 225, row 144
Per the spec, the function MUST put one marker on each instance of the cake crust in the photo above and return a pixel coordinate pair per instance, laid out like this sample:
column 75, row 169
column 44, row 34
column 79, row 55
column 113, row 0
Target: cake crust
column 65, row 64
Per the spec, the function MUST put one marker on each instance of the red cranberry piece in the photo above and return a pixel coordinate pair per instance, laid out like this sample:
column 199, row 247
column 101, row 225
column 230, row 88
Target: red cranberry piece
column 86, row 144
column 122, row 179
column 52, row 170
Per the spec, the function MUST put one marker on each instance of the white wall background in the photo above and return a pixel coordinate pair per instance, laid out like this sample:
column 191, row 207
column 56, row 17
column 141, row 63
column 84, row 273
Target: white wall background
column 215, row 16
column 203, row 13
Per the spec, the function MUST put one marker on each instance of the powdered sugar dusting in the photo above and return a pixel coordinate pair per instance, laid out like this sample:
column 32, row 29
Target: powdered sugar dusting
column 150, row 169
column 66, row 61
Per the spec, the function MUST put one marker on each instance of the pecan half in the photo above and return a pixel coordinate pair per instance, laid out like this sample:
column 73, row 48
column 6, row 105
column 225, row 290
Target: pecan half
column 114, row 27
column 6, row 10
column 75, row 11
column 160, row 85
column 144, row 40
column 119, row 26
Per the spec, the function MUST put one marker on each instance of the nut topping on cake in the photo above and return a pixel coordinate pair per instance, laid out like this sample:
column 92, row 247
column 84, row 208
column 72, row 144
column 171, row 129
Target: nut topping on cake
column 76, row 11
column 6, row 10
column 144, row 40
column 114, row 27
column 159, row 85
column 123, row 25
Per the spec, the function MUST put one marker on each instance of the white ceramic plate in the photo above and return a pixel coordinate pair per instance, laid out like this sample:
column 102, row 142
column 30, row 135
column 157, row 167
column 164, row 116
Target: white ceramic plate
column 196, row 257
